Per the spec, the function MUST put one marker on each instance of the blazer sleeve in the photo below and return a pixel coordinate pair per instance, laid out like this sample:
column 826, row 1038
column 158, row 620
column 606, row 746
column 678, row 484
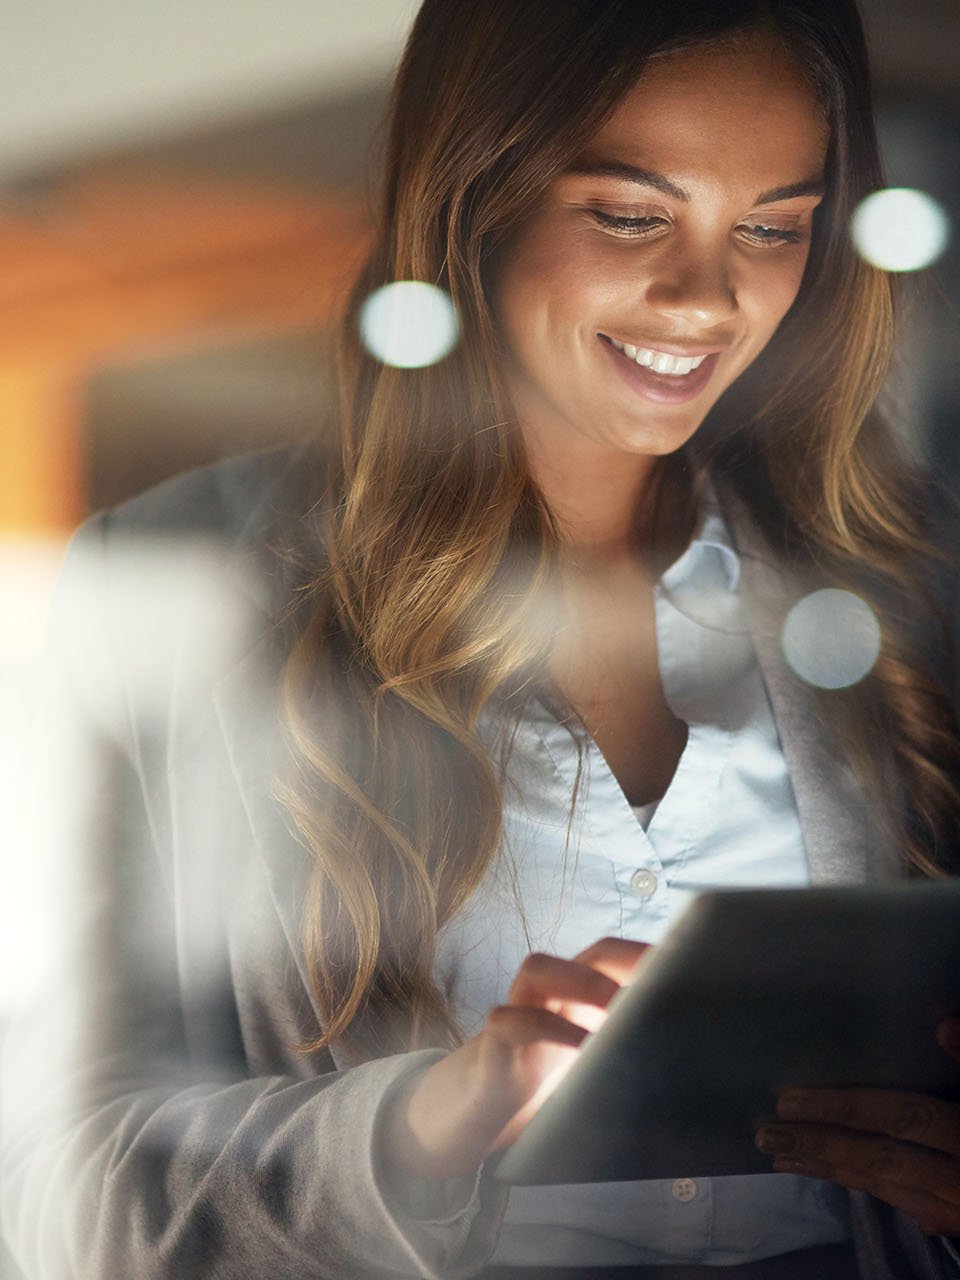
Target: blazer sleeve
column 124, row 1152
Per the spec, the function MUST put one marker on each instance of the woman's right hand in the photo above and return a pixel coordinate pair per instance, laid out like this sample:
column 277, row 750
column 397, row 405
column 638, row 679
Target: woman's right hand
column 478, row 1098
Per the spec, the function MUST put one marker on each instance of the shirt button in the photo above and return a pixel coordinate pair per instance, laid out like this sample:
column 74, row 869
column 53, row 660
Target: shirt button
column 684, row 1189
column 643, row 883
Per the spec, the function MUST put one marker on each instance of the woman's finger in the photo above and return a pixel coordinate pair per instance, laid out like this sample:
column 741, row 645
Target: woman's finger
column 543, row 979
column 932, row 1213
column 514, row 1025
column 909, row 1117
column 802, row 1148
column 616, row 957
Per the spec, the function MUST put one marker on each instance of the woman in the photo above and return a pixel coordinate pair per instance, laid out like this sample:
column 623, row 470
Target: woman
column 663, row 402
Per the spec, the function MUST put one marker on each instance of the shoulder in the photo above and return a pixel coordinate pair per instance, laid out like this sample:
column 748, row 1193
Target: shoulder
column 220, row 499
column 239, row 516
column 188, row 570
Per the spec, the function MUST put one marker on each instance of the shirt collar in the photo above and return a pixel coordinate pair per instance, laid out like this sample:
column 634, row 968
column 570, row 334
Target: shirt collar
column 710, row 553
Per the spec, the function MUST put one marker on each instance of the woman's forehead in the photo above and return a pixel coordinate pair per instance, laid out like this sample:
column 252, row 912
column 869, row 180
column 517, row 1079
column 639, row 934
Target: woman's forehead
column 703, row 109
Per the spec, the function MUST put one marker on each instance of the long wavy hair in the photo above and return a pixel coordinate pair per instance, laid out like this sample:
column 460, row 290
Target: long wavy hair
column 429, row 560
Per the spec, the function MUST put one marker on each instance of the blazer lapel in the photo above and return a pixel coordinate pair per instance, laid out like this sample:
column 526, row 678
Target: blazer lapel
column 246, row 710
column 843, row 843
column 245, row 702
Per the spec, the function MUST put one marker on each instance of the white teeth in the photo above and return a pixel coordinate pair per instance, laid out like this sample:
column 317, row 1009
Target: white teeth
column 659, row 361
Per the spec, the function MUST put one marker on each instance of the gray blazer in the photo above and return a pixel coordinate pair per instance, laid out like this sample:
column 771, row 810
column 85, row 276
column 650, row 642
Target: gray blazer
column 160, row 1121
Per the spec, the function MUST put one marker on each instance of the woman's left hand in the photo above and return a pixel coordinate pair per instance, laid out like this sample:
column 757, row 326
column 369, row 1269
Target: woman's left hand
column 900, row 1147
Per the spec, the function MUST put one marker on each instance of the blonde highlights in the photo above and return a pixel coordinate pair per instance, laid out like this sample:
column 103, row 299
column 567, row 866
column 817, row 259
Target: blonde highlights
column 428, row 563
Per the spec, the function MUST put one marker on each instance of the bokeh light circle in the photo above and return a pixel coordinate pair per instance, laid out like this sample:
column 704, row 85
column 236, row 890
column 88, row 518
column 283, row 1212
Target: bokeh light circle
column 900, row 229
column 409, row 324
column 831, row 638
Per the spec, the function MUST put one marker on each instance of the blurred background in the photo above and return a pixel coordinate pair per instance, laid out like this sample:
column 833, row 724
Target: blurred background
column 184, row 188
column 183, row 198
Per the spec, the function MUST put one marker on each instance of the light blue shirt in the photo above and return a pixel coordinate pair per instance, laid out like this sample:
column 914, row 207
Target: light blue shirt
column 728, row 818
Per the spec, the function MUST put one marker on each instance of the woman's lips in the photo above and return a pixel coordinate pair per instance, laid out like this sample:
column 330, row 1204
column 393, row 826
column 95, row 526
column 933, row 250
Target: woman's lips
column 663, row 388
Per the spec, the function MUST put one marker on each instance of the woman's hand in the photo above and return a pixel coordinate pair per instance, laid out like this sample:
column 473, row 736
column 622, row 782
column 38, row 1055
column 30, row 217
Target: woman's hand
column 478, row 1098
column 900, row 1147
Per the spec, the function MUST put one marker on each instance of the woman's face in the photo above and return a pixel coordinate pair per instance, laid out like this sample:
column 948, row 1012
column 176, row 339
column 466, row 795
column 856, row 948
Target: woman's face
column 657, row 267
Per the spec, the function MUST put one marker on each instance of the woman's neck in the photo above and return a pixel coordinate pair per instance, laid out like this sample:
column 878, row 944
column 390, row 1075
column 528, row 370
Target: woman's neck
column 598, row 501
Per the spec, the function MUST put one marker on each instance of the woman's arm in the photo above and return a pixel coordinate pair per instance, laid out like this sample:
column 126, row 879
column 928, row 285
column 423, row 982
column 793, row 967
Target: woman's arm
column 131, row 1145
column 138, row 1139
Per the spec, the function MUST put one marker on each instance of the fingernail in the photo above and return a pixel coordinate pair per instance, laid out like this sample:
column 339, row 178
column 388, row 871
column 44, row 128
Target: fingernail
column 789, row 1164
column 771, row 1140
column 798, row 1106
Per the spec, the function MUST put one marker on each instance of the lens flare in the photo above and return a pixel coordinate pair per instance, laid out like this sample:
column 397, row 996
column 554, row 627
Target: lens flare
column 409, row 324
column 831, row 638
column 900, row 229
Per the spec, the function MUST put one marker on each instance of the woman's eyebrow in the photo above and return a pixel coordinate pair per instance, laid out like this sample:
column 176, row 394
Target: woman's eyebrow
column 628, row 173
column 793, row 190
column 650, row 178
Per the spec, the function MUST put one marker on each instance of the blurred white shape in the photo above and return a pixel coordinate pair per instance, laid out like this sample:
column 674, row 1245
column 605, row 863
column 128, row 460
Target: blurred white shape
column 33, row 909
column 831, row 638
column 156, row 627
column 172, row 616
column 28, row 571
column 900, row 229
column 409, row 324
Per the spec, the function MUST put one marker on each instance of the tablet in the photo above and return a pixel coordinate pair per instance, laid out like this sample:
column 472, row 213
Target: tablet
column 752, row 991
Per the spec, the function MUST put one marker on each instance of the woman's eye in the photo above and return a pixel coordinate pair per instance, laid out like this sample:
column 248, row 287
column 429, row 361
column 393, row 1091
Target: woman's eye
column 636, row 226
column 759, row 234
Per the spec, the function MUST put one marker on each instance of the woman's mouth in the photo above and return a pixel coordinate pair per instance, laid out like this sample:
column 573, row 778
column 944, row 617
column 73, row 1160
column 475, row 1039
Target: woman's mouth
column 659, row 375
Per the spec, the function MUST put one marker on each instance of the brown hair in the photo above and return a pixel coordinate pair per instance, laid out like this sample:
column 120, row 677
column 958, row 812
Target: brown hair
column 422, row 599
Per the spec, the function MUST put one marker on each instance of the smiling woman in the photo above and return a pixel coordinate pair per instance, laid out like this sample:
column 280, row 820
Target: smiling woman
column 668, row 251
column 516, row 685
column 640, row 287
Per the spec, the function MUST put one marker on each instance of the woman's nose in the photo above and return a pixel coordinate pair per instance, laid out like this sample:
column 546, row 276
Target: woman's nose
column 694, row 287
